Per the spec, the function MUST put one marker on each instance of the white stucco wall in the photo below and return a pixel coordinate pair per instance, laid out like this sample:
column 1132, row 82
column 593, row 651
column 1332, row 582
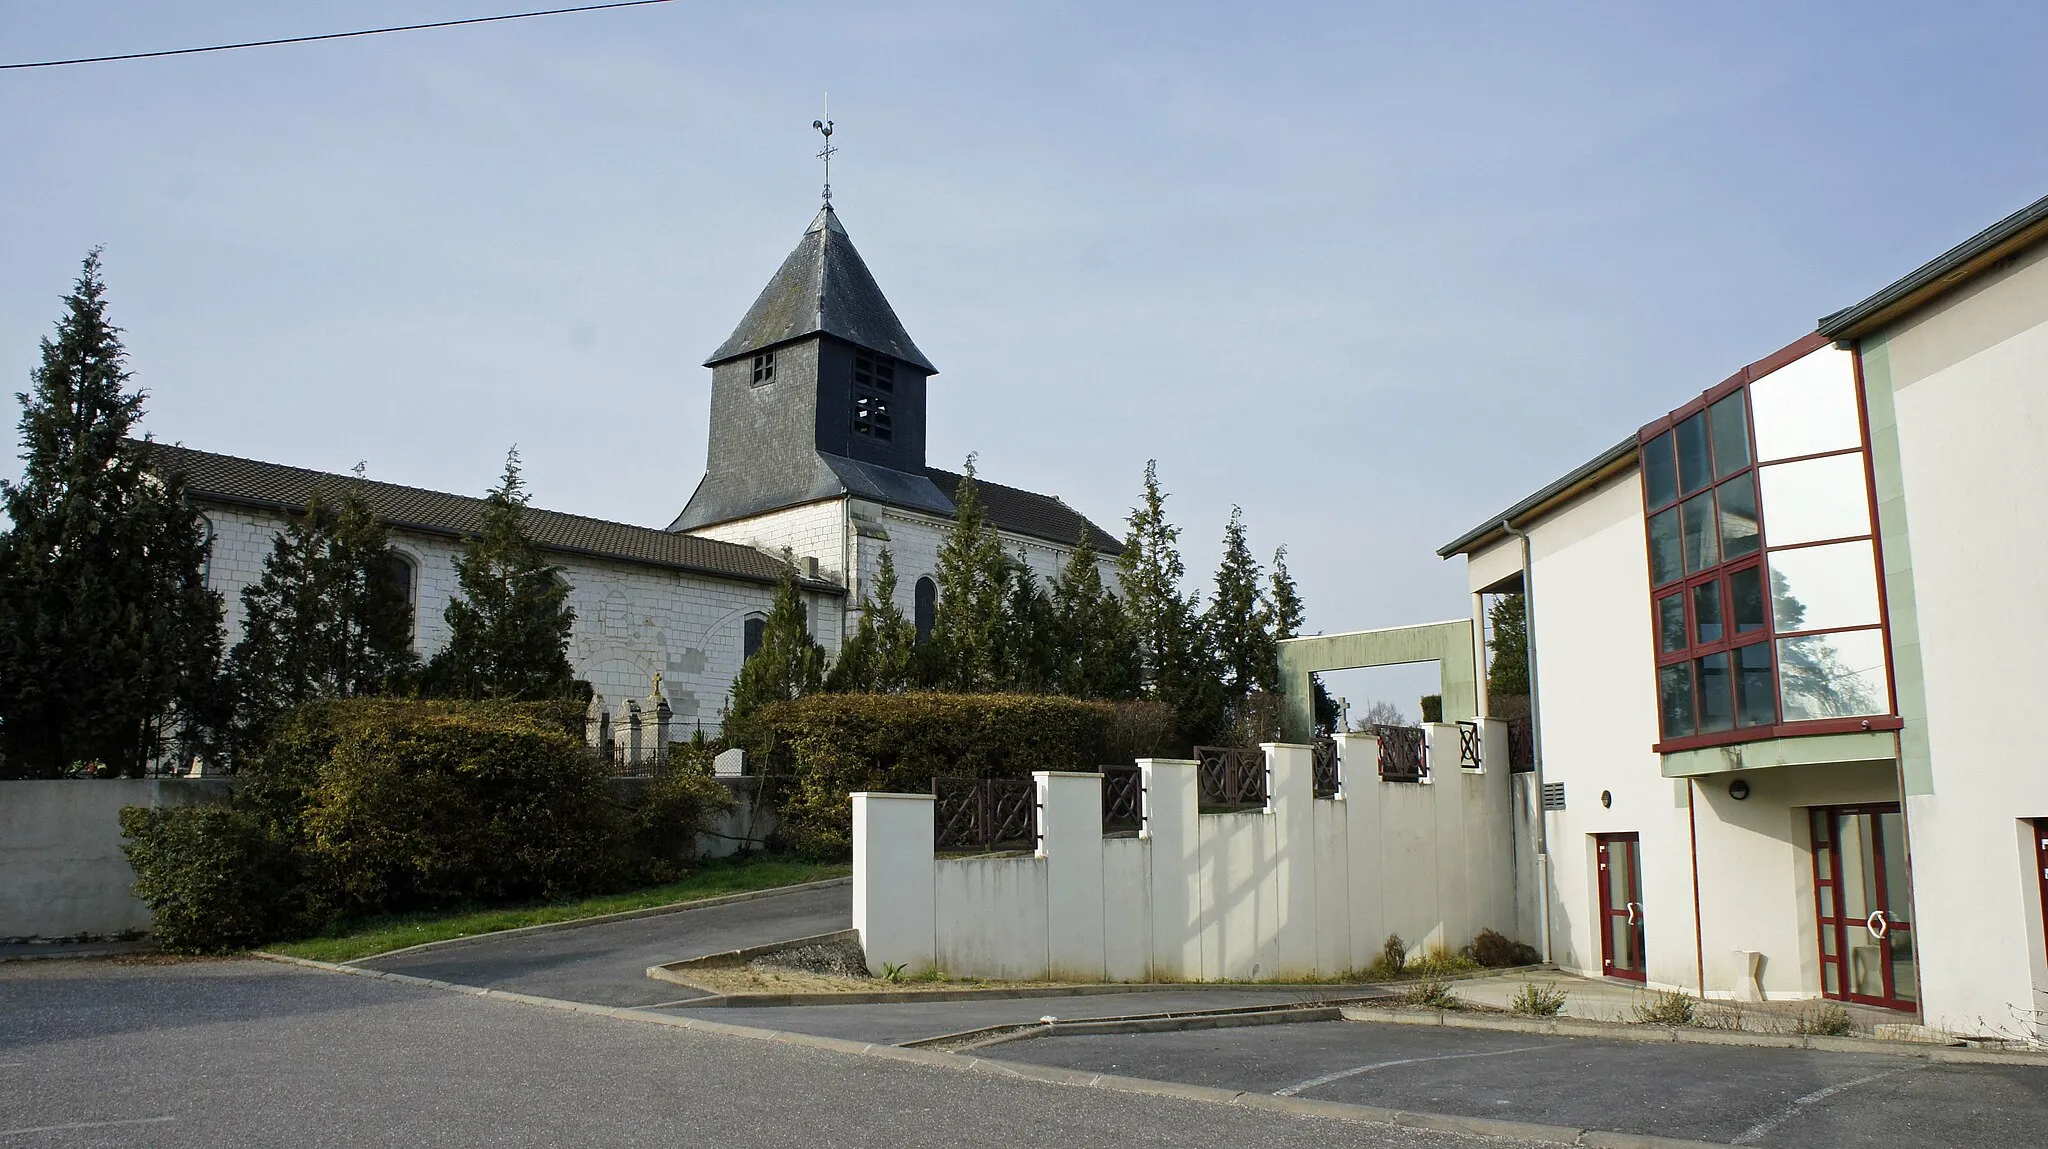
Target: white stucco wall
column 62, row 872
column 1969, row 378
column 1303, row 888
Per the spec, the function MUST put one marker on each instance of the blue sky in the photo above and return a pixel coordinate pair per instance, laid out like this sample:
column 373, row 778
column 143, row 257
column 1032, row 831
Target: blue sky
column 1371, row 271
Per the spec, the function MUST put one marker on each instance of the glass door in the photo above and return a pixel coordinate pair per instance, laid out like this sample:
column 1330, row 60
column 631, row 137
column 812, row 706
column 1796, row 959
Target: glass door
column 1621, row 905
column 1863, row 901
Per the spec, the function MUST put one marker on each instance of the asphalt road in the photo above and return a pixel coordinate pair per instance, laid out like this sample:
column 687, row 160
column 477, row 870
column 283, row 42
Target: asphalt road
column 1730, row 1094
column 250, row 1053
column 607, row 964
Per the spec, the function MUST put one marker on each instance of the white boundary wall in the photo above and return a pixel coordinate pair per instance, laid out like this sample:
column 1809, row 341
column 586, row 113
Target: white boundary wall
column 1304, row 888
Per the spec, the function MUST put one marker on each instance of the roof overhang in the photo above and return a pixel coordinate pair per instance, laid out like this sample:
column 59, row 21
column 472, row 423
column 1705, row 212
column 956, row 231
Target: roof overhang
column 1616, row 460
column 1982, row 252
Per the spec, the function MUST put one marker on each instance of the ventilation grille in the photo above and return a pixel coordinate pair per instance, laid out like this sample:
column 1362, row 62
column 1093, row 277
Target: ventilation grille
column 1553, row 795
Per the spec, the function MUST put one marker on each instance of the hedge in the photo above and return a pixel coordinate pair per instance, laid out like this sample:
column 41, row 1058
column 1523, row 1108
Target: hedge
column 819, row 749
column 376, row 806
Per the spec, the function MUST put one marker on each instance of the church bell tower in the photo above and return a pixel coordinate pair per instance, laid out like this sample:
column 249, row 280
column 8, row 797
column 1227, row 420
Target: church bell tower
column 818, row 393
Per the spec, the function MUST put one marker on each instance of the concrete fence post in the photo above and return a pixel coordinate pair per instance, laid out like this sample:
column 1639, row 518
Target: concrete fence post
column 1070, row 841
column 1290, row 772
column 1172, row 807
column 895, row 892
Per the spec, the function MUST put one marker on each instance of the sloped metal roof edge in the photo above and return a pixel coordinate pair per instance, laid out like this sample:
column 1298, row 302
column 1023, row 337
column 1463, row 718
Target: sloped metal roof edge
column 1601, row 466
column 1950, row 269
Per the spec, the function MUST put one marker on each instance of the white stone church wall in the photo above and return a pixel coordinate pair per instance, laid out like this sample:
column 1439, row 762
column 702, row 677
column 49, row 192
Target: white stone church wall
column 914, row 541
column 814, row 530
column 632, row 620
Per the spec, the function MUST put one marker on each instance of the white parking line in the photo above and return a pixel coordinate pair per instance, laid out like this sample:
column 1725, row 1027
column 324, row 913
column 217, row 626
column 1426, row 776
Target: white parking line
column 1341, row 1074
column 1762, row 1129
column 70, row 1125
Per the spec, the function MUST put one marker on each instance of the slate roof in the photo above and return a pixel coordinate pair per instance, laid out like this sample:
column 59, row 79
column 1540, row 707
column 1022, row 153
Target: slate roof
column 822, row 287
column 224, row 479
column 1028, row 513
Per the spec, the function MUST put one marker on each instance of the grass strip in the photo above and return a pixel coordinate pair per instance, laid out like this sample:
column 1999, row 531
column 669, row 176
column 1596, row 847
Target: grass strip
column 381, row 935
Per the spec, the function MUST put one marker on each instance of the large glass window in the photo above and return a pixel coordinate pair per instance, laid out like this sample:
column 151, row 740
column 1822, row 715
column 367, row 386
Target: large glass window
column 1767, row 608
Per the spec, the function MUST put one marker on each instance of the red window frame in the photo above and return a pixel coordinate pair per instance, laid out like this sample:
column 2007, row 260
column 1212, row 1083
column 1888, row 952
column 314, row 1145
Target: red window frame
column 1721, row 572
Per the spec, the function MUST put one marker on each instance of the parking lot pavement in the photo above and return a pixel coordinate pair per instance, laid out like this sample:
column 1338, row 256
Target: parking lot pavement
column 607, row 964
column 1729, row 1094
column 251, row 1053
column 897, row 1022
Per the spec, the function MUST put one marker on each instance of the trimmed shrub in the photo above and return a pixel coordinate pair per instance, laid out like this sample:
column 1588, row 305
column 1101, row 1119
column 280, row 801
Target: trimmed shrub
column 215, row 877
column 376, row 806
column 661, row 831
column 819, row 749
column 425, row 806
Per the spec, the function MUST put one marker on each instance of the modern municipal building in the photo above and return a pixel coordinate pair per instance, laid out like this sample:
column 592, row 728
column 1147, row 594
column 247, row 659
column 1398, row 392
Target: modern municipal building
column 1788, row 636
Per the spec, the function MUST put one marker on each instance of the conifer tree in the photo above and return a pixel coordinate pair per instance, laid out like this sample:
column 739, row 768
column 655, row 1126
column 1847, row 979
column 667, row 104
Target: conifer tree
column 789, row 663
column 1239, row 619
column 877, row 656
column 1096, row 649
column 1167, row 625
column 326, row 620
column 508, row 628
column 1028, row 652
column 965, row 649
column 1507, row 673
column 109, row 639
column 1288, row 616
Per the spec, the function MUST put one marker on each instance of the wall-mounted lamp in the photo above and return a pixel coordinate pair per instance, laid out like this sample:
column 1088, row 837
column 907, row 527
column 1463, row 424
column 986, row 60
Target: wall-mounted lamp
column 1738, row 789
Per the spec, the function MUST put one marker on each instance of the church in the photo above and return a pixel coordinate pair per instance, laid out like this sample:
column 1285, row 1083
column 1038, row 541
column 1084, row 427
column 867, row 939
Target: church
column 816, row 449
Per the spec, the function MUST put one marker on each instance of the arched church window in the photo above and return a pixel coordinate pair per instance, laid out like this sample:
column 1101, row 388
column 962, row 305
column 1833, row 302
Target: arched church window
column 750, row 635
column 400, row 572
column 206, row 536
column 926, row 607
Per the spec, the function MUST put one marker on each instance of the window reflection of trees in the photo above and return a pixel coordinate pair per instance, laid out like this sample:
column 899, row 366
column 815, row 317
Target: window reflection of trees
column 1815, row 678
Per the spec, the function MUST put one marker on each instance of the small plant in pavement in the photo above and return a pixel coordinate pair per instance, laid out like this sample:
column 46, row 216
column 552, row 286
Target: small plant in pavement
column 1538, row 1000
column 1823, row 1019
column 1431, row 993
column 1666, row 1008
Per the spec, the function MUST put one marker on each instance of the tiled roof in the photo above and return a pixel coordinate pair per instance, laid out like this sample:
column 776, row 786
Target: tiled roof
column 1029, row 513
column 247, row 482
column 824, row 286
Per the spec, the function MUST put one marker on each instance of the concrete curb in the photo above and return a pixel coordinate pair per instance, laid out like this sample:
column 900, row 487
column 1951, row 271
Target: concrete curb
column 1660, row 1035
column 1481, row 1126
column 982, row 993
column 601, row 919
column 991, row 1035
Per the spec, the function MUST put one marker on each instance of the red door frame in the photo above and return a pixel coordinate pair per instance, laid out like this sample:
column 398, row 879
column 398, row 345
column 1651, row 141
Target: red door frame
column 2040, row 827
column 1630, row 912
column 1828, row 882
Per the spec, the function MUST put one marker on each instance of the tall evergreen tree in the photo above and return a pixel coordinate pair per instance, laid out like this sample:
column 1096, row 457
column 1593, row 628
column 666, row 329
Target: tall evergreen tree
column 965, row 649
column 1096, row 648
column 789, row 663
column 1507, row 674
column 877, row 656
column 109, row 639
column 326, row 620
column 1239, row 619
column 1029, row 651
column 508, row 628
column 1288, row 616
column 1178, row 666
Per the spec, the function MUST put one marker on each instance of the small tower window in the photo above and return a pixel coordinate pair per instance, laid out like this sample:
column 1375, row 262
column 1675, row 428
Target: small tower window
column 874, row 381
column 925, row 607
column 764, row 368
